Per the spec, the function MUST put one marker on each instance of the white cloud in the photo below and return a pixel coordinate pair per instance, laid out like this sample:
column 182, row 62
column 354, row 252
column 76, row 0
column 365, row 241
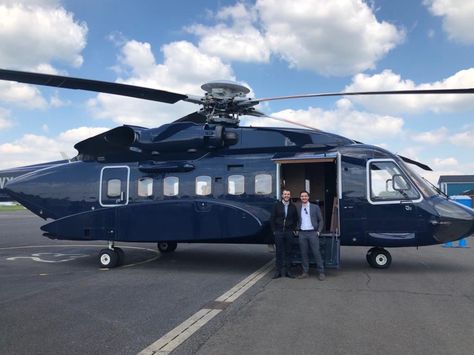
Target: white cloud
column 313, row 35
column 343, row 120
column 387, row 80
column 33, row 149
column 33, row 36
column 5, row 121
column 21, row 95
column 329, row 37
column 184, row 70
column 431, row 137
column 457, row 18
column 439, row 163
column 464, row 139
column 75, row 135
column 239, row 41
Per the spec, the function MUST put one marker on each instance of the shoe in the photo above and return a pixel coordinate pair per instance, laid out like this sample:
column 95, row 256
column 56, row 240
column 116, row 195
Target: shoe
column 304, row 275
column 290, row 275
column 321, row 277
column 276, row 276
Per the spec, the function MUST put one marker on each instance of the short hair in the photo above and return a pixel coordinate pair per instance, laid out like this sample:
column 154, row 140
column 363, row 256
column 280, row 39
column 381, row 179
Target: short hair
column 285, row 190
column 304, row 192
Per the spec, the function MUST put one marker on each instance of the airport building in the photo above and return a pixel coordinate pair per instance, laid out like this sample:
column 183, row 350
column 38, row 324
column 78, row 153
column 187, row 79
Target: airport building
column 453, row 185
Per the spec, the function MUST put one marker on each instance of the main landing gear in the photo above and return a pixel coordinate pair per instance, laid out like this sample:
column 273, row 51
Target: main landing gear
column 111, row 257
column 379, row 258
column 167, row 247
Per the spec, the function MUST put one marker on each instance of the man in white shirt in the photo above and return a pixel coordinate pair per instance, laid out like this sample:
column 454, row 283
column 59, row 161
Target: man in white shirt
column 310, row 225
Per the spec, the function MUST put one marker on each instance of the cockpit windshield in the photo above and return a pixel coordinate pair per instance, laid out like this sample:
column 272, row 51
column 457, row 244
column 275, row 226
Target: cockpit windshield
column 426, row 188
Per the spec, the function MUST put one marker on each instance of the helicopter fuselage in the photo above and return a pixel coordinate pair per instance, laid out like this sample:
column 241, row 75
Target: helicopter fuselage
column 180, row 183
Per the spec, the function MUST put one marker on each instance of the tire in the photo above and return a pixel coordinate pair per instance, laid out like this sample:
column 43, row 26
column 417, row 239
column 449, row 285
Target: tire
column 108, row 258
column 379, row 258
column 121, row 255
column 167, row 247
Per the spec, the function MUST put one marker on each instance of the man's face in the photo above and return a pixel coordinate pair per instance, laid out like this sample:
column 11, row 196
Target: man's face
column 286, row 195
column 304, row 197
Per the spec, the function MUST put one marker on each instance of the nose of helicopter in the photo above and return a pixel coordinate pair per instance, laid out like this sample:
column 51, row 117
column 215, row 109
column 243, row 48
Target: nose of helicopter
column 24, row 190
column 455, row 221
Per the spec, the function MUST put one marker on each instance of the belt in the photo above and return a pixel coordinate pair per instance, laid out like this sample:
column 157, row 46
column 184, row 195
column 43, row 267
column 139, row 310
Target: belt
column 306, row 230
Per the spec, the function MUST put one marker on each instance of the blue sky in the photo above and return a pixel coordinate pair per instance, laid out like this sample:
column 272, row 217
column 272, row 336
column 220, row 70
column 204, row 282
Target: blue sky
column 274, row 47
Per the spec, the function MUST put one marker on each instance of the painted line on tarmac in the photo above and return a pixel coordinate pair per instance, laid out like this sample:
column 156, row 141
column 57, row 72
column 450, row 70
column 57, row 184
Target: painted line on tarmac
column 157, row 256
column 171, row 340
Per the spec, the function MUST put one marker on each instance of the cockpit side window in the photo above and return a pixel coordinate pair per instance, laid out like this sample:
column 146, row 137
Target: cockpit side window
column 387, row 182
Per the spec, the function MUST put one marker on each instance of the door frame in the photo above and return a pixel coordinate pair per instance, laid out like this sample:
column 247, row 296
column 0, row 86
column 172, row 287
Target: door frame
column 307, row 158
column 127, row 190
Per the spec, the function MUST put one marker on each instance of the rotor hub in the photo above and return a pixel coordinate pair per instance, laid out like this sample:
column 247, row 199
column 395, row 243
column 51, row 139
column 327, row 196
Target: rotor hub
column 223, row 100
column 225, row 89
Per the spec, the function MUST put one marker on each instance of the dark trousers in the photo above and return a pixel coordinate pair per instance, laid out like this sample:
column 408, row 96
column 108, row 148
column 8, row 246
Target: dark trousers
column 309, row 240
column 282, row 251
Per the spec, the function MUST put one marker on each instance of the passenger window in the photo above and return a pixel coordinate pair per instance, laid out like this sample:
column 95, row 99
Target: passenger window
column 145, row 187
column 263, row 184
column 236, row 184
column 171, row 186
column 387, row 182
column 203, row 185
column 114, row 188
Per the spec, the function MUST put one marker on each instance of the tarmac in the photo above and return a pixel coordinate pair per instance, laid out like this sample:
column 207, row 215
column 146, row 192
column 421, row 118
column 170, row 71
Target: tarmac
column 64, row 303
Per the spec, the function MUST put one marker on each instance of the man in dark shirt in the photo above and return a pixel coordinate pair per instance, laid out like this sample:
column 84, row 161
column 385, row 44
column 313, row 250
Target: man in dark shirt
column 283, row 222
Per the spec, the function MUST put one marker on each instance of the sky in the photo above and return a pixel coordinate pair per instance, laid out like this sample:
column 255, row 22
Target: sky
column 274, row 47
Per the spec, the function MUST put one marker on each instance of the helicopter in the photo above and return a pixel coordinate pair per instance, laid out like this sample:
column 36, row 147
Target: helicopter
column 206, row 179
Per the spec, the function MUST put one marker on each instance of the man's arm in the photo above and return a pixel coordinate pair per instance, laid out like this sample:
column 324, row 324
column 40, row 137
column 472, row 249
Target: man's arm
column 298, row 218
column 273, row 217
column 320, row 219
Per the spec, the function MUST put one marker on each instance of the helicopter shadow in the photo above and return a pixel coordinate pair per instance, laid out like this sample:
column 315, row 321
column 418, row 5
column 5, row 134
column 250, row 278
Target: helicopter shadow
column 226, row 259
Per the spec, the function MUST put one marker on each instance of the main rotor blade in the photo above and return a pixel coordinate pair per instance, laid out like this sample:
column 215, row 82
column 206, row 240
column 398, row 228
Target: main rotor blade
column 355, row 93
column 91, row 85
column 285, row 120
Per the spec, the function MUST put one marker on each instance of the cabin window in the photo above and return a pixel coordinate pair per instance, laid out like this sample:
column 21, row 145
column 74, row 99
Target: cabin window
column 235, row 184
column 145, row 187
column 263, row 184
column 114, row 188
column 203, row 185
column 388, row 182
column 171, row 186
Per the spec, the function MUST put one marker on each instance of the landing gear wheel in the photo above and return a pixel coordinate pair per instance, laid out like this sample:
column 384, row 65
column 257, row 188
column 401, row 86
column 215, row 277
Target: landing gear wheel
column 108, row 258
column 379, row 258
column 120, row 254
column 167, row 247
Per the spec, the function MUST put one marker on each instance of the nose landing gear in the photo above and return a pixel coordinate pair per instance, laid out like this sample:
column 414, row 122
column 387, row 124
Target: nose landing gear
column 379, row 258
column 111, row 257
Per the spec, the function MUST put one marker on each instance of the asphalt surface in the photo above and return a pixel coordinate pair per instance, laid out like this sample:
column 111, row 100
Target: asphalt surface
column 423, row 304
column 63, row 303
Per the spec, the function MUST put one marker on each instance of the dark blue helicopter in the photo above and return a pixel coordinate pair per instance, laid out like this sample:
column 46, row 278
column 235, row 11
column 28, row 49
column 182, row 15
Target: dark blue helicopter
column 205, row 179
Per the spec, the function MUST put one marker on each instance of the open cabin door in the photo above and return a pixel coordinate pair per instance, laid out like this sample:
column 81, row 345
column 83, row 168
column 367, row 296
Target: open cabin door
column 320, row 175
